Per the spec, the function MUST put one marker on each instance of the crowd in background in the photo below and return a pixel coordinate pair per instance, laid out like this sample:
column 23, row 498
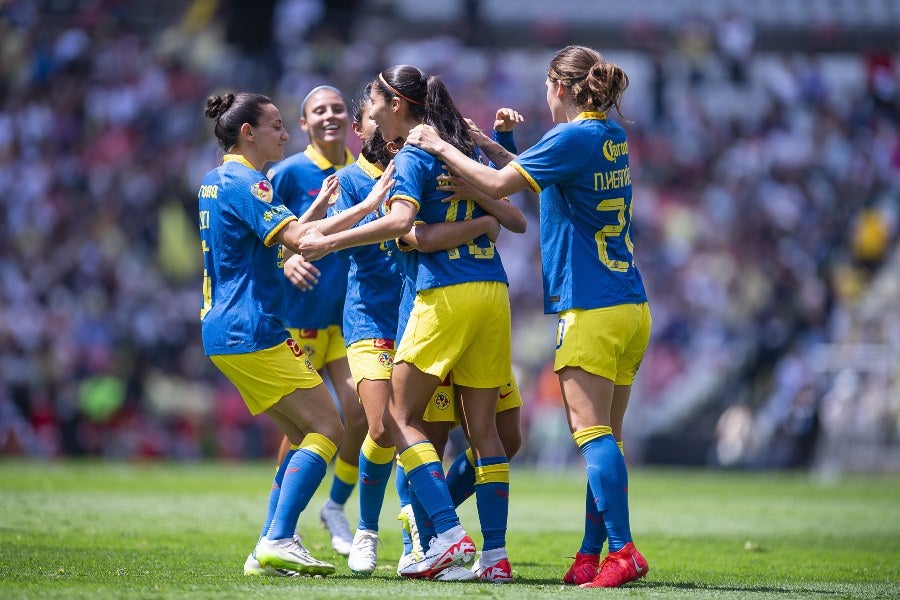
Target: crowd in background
column 767, row 190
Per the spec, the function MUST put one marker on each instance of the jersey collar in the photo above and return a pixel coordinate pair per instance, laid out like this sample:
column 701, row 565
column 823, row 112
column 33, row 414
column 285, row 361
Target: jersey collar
column 590, row 115
column 368, row 168
column 237, row 158
column 323, row 163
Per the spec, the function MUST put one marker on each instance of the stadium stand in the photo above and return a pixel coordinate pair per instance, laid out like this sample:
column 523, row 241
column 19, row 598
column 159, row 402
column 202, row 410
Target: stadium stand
column 767, row 181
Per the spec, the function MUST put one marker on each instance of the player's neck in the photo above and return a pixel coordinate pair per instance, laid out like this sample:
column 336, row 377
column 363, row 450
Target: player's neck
column 334, row 152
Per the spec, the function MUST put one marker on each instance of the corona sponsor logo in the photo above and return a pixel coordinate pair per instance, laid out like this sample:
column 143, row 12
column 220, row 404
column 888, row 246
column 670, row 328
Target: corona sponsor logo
column 612, row 151
column 262, row 190
column 442, row 400
column 209, row 191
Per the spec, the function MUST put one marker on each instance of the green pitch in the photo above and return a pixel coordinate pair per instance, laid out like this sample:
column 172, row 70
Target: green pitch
column 92, row 530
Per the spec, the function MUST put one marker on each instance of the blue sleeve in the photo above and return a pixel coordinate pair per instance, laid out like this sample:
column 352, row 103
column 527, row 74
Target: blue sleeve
column 506, row 139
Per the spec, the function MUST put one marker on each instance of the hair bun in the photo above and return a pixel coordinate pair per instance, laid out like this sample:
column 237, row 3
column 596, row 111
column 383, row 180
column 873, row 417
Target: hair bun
column 217, row 105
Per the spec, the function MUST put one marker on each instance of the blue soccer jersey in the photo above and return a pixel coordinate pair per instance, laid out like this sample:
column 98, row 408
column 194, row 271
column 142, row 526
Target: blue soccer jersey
column 240, row 217
column 582, row 172
column 298, row 179
column 373, row 281
column 416, row 174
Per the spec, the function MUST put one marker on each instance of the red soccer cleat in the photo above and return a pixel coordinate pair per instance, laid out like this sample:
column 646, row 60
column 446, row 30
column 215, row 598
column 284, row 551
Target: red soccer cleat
column 583, row 570
column 619, row 568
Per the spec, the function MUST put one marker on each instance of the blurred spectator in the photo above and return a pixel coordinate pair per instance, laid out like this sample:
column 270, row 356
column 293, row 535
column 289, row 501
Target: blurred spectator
column 767, row 189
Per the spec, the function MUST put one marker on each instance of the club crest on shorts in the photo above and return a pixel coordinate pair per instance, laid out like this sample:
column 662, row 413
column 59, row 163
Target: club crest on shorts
column 309, row 364
column 442, row 400
column 386, row 360
column 262, row 190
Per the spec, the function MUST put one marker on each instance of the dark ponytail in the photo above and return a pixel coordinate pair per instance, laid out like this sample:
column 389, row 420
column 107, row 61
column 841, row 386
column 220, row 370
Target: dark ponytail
column 429, row 100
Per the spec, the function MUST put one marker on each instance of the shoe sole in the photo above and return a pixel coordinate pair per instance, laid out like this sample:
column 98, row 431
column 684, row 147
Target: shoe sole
column 639, row 576
column 277, row 563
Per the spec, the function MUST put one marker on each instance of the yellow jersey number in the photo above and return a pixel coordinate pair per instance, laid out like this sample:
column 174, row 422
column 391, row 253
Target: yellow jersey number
column 607, row 231
column 474, row 249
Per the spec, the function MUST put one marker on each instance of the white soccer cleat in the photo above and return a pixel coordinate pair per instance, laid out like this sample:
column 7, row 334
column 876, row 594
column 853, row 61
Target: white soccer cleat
column 450, row 548
column 290, row 554
column 254, row 569
column 455, row 573
column 494, row 568
column 408, row 559
column 335, row 521
column 364, row 553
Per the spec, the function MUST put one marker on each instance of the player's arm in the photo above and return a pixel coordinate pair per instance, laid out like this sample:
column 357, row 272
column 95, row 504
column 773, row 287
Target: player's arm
column 435, row 237
column 503, row 210
column 294, row 231
column 394, row 224
column 495, row 183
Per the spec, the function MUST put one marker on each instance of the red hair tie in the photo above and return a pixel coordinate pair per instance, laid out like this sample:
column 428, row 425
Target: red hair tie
column 390, row 87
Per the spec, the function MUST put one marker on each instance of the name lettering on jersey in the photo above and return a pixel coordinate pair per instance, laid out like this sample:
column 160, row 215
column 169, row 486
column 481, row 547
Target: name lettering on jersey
column 262, row 190
column 209, row 191
column 612, row 179
column 613, row 151
column 204, row 218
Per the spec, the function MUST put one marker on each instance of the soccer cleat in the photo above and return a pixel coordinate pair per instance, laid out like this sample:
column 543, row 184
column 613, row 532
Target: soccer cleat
column 254, row 569
column 619, row 567
column 497, row 572
column 364, row 553
column 408, row 559
column 441, row 555
column 289, row 553
column 455, row 573
column 583, row 570
column 335, row 521
column 407, row 520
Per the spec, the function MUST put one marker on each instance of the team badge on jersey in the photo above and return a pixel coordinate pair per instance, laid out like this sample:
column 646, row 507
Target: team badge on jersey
column 385, row 360
column 442, row 400
column 262, row 190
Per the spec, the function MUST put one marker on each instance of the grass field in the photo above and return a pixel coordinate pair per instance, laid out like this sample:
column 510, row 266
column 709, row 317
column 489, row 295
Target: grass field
column 91, row 530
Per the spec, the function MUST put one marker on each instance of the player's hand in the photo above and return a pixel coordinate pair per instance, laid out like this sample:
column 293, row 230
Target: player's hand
column 313, row 245
column 303, row 274
column 459, row 188
column 328, row 192
column 427, row 138
column 506, row 119
column 494, row 232
column 380, row 189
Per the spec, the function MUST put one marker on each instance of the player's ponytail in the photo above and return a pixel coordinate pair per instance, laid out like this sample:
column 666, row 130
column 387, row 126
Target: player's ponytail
column 595, row 83
column 428, row 100
column 231, row 111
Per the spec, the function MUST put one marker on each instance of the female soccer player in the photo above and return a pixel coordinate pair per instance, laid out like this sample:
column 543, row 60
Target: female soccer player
column 581, row 169
column 374, row 285
column 241, row 221
column 460, row 320
column 313, row 312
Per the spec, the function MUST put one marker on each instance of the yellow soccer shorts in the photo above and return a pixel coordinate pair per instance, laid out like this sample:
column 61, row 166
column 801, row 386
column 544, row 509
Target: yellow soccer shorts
column 373, row 359
column 465, row 327
column 510, row 396
column 266, row 376
column 321, row 345
column 609, row 342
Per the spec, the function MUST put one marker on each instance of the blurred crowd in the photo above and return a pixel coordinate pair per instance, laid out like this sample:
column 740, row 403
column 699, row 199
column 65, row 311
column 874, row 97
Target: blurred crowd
column 767, row 190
